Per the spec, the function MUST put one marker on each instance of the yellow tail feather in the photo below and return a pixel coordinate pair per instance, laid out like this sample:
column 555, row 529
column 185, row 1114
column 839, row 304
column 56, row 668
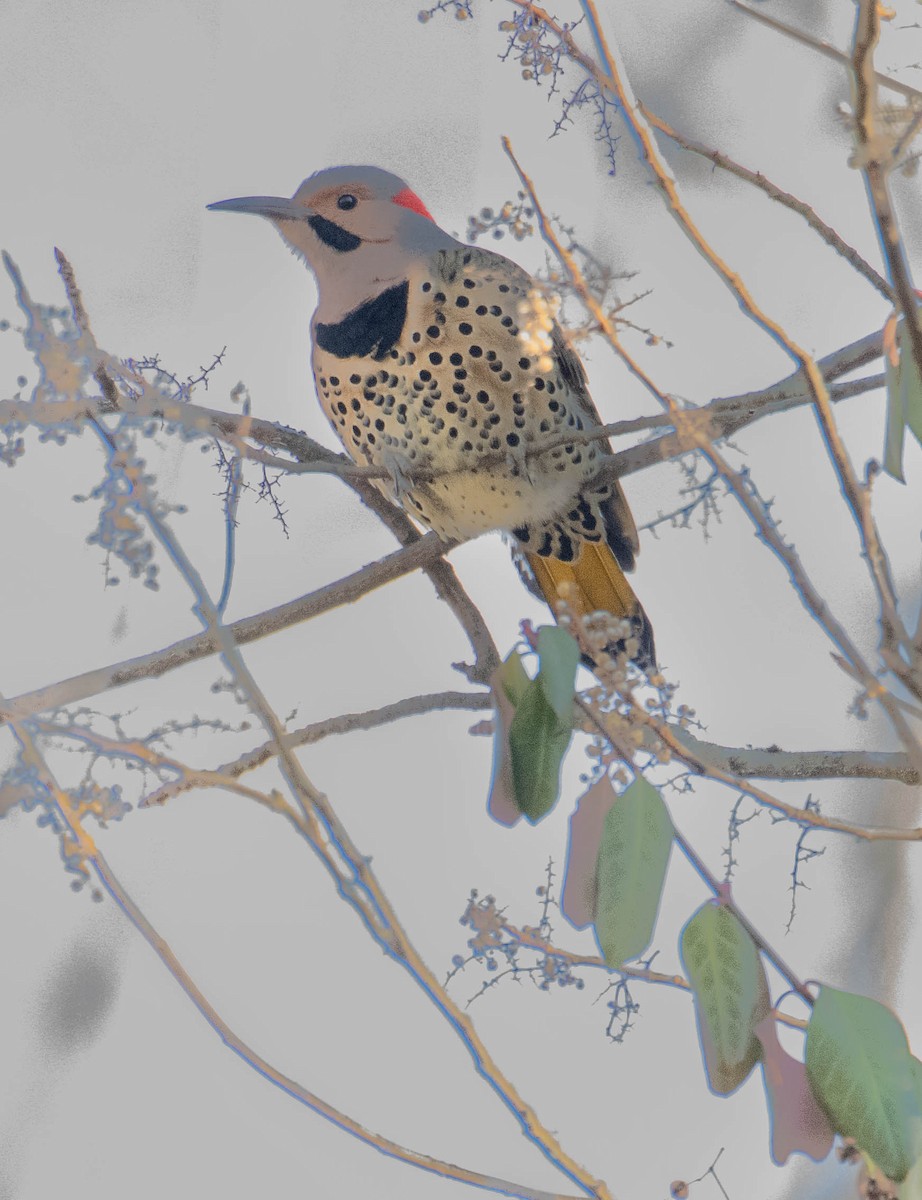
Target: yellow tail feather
column 597, row 584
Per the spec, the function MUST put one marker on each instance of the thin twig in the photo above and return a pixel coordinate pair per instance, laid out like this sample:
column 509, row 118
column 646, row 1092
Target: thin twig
column 248, row 629
column 351, row 870
column 825, row 48
column 237, row 429
column 609, row 77
column 698, row 758
column 719, row 889
column 876, row 162
column 892, row 630
column 826, row 232
column 532, row 940
column 307, row 735
column 356, row 882
column 690, row 435
column 84, row 846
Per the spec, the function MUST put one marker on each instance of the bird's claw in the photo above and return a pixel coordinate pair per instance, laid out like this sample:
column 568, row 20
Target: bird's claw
column 517, row 460
column 397, row 464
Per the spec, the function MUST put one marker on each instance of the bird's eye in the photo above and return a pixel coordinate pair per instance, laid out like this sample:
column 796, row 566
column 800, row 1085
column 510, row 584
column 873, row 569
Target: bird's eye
column 346, row 201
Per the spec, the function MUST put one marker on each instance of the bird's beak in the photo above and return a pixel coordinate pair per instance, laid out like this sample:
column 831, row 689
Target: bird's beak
column 277, row 208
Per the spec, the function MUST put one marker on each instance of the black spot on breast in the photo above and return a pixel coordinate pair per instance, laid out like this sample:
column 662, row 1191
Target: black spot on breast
column 371, row 329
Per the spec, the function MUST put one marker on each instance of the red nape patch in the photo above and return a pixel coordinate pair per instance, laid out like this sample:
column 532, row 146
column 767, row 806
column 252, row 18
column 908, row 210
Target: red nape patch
column 407, row 199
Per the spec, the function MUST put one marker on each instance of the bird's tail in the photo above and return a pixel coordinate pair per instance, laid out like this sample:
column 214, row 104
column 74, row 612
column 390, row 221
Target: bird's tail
column 597, row 584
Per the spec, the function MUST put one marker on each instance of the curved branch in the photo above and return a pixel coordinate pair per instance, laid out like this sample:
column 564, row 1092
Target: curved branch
column 826, row 232
column 412, row 706
column 92, row 855
column 425, row 550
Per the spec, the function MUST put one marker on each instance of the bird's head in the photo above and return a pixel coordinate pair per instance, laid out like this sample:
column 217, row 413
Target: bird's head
column 357, row 228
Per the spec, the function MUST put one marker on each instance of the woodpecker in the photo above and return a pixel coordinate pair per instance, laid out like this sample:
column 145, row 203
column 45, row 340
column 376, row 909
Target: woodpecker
column 441, row 363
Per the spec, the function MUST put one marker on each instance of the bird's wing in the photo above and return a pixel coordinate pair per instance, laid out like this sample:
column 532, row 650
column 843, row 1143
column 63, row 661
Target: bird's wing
column 619, row 519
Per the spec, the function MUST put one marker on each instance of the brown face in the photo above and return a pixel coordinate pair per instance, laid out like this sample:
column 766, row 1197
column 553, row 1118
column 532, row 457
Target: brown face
column 370, row 213
column 356, row 228
column 351, row 207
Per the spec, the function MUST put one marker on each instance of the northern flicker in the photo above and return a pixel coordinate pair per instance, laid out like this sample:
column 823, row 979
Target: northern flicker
column 437, row 359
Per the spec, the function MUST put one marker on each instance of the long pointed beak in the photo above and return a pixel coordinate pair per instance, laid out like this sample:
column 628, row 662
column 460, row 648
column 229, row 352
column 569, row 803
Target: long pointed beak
column 275, row 207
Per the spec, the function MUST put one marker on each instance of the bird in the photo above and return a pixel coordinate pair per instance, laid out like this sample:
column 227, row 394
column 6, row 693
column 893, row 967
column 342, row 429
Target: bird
column 441, row 363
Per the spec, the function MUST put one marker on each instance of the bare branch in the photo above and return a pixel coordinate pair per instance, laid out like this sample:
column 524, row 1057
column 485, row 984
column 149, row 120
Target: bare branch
column 826, row 232
column 699, row 758
column 350, row 588
column 876, row 159
column 775, row 763
column 720, row 890
column 351, row 871
column 690, row 435
column 345, row 723
column 90, row 854
column 530, row 938
column 825, row 48
column 857, row 497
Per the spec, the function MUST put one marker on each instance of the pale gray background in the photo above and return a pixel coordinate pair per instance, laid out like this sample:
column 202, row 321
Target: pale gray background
column 119, row 124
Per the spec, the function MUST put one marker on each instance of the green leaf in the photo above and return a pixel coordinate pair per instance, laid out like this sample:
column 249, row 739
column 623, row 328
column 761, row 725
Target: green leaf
column 558, row 654
column 731, row 993
column 911, row 1186
column 513, row 677
column 634, row 851
column 904, row 398
column 538, row 740
column 864, row 1077
column 910, row 381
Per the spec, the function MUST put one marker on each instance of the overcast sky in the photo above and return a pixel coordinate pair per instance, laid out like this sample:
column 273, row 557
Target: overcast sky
column 120, row 123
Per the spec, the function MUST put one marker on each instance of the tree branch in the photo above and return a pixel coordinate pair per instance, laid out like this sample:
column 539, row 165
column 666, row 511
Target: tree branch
column 345, row 723
column 774, row 763
column 347, row 590
column 876, row 161
column 90, row 854
column 825, row 48
column 856, row 496
column 826, row 232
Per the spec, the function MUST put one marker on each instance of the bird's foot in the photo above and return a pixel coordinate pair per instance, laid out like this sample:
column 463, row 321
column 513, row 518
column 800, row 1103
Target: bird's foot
column 398, row 467
column 517, row 461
